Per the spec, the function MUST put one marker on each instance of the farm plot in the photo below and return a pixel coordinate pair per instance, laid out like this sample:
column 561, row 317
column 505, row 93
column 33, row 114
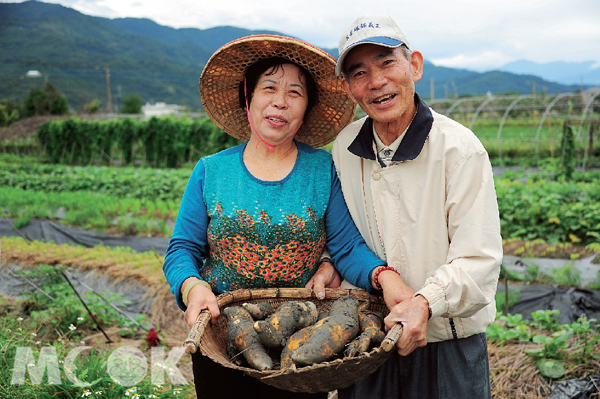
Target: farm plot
column 543, row 215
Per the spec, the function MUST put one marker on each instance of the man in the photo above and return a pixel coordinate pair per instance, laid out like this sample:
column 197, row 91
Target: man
column 420, row 189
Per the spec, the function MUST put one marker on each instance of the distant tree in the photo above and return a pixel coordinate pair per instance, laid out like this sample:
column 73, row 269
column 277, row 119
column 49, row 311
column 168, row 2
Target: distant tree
column 132, row 104
column 92, row 107
column 9, row 113
column 46, row 101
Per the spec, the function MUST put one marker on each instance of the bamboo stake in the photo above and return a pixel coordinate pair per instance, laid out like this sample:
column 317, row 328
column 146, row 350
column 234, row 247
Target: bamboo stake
column 108, row 341
column 10, row 273
column 106, row 300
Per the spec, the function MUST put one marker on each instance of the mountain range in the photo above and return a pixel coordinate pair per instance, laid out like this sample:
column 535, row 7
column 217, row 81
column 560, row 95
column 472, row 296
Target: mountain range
column 85, row 57
column 567, row 73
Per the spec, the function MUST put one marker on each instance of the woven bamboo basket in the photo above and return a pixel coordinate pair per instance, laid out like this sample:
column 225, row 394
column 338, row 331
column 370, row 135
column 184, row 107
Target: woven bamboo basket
column 323, row 377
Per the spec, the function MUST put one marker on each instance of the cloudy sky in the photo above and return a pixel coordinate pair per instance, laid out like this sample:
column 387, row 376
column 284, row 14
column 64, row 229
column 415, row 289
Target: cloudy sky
column 472, row 34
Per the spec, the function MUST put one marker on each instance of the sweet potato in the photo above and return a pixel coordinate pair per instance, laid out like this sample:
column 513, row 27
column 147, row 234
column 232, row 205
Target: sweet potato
column 297, row 339
column 371, row 334
column 330, row 335
column 259, row 311
column 289, row 317
column 241, row 335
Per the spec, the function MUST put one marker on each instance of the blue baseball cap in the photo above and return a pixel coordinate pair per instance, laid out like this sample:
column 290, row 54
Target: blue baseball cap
column 381, row 30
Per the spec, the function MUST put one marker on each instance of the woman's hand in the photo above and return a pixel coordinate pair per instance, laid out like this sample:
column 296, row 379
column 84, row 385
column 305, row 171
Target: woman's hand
column 200, row 298
column 326, row 277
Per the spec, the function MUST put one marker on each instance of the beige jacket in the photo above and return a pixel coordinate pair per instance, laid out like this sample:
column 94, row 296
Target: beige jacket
column 434, row 216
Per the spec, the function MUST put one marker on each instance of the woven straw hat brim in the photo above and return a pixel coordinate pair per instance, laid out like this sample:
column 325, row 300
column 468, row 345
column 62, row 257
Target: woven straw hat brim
column 220, row 79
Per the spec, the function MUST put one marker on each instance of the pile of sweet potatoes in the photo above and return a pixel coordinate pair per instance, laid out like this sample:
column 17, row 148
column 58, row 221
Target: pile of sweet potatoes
column 295, row 334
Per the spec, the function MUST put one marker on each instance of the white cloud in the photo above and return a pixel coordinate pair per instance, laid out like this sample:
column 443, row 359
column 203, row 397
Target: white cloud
column 477, row 62
column 459, row 33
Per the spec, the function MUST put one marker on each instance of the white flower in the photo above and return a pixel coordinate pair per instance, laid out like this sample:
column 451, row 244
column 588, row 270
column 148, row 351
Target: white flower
column 80, row 318
column 19, row 318
column 34, row 334
column 86, row 393
column 99, row 392
column 31, row 365
column 72, row 327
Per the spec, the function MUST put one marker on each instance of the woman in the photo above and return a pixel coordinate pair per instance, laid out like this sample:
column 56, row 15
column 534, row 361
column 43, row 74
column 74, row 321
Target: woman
column 259, row 214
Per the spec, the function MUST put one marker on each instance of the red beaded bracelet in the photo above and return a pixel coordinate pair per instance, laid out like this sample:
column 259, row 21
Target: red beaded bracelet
column 376, row 276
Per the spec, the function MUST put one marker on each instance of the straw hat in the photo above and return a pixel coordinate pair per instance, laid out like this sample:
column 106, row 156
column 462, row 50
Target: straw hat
column 220, row 79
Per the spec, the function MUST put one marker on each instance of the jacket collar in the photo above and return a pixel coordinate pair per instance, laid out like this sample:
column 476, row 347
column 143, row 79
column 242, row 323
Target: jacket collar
column 410, row 146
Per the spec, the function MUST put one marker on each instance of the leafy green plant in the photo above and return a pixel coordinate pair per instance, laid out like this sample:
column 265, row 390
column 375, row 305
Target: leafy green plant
column 566, row 275
column 585, row 331
column 595, row 285
column 551, row 352
column 532, row 273
column 552, row 346
column 159, row 142
column 513, row 297
column 45, row 101
column 58, row 309
column 508, row 327
column 567, row 160
column 7, row 116
column 90, row 367
column 550, row 210
column 23, row 219
column 132, row 104
column 513, row 320
column 551, row 368
column 545, row 320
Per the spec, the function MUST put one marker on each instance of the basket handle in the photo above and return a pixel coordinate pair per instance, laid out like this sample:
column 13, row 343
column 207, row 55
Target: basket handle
column 392, row 337
column 195, row 335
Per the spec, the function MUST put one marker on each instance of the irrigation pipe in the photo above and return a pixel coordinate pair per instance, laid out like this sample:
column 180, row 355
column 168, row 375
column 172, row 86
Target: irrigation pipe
column 82, row 283
column 10, row 273
column 108, row 341
column 104, row 299
column 18, row 231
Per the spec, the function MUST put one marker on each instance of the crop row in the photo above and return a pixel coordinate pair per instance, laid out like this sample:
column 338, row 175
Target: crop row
column 158, row 142
column 140, row 183
column 173, row 142
column 533, row 207
column 550, row 210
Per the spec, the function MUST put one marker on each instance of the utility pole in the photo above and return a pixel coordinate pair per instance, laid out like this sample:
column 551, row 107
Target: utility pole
column 108, row 96
column 533, row 96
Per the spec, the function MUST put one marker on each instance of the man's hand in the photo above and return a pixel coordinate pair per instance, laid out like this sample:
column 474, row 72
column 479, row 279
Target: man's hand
column 326, row 277
column 199, row 298
column 413, row 314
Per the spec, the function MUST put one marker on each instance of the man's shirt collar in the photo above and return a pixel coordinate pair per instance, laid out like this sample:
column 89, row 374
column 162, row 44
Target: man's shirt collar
column 410, row 146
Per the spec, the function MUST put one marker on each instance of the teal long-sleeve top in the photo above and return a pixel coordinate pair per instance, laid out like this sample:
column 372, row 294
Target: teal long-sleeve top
column 236, row 231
